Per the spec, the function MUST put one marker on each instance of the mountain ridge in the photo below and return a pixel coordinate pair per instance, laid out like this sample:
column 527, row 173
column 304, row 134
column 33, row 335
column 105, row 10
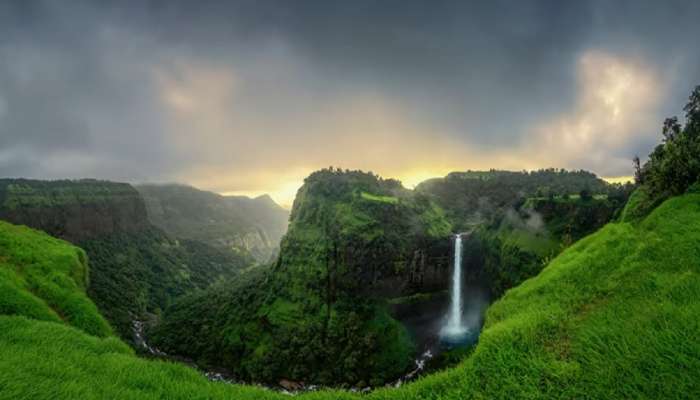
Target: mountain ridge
column 238, row 223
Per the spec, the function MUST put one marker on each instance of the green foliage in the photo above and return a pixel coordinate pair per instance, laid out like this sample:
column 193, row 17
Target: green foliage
column 26, row 193
column 139, row 273
column 136, row 269
column 518, row 244
column 674, row 165
column 45, row 278
column 472, row 197
column 48, row 361
column 639, row 205
column 383, row 199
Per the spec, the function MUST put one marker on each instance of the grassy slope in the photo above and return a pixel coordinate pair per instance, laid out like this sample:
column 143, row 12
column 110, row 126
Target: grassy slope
column 45, row 278
column 614, row 316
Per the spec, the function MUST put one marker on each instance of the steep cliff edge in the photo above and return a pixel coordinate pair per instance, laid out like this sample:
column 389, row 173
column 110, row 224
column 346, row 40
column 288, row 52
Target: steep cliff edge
column 73, row 210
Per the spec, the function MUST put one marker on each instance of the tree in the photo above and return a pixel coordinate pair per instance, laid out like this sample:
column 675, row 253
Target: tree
column 674, row 164
column 638, row 175
column 692, row 110
column 671, row 129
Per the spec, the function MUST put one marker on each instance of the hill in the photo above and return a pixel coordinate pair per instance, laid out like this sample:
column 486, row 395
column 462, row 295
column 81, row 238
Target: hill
column 237, row 223
column 616, row 315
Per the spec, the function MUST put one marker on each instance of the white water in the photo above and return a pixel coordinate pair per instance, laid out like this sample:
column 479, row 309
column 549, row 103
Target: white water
column 454, row 326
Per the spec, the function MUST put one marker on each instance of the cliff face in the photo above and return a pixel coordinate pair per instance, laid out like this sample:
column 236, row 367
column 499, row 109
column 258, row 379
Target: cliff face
column 238, row 223
column 367, row 235
column 73, row 210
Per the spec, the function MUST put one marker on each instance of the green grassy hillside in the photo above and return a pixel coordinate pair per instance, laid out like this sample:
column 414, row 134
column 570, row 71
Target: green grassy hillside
column 617, row 315
column 45, row 278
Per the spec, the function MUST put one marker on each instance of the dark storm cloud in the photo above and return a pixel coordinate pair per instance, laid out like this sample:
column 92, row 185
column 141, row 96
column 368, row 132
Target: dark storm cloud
column 87, row 88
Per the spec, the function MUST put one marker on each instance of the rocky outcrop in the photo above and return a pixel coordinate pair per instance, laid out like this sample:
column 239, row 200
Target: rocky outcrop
column 74, row 210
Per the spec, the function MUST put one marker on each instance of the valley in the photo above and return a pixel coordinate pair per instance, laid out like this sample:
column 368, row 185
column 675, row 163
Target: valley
column 561, row 324
column 360, row 291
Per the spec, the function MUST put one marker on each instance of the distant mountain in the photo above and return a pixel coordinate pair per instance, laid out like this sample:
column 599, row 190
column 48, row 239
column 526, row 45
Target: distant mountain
column 237, row 223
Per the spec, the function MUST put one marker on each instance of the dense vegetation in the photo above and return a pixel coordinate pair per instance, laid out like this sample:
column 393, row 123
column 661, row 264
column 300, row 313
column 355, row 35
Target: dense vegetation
column 319, row 313
column 354, row 242
column 136, row 275
column 516, row 246
column 674, row 165
column 29, row 193
column 616, row 315
column 72, row 209
column 235, row 223
column 473, row 197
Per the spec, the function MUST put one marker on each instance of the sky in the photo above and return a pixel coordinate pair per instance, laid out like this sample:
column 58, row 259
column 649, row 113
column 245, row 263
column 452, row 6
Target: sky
column 249, row 97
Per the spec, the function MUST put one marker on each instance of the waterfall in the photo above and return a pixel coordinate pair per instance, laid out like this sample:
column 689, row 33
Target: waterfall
column 454, row 327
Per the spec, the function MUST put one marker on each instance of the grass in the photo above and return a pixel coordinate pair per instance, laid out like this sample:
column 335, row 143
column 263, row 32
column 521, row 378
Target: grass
column 381, row 199
column 540, row 244
column 45, row 278
column 617, row 315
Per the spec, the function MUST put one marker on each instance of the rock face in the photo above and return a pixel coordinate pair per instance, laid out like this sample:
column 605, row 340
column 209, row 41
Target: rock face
column 73, row 210
column 237, row 223
column 427, row 271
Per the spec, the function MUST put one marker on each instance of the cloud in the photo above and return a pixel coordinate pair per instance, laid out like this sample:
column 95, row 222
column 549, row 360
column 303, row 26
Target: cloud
column 617, row 104
column 249, row 97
